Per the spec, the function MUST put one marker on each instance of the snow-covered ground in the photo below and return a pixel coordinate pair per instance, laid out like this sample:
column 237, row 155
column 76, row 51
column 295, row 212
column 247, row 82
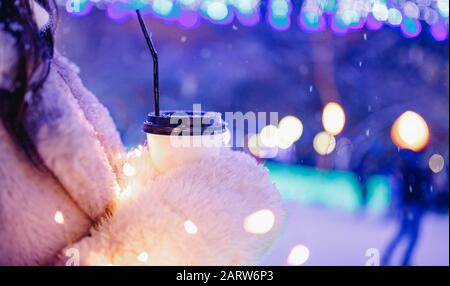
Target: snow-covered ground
column 336, row 237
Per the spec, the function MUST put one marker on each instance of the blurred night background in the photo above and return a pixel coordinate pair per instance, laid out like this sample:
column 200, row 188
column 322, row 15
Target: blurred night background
column 362, row 86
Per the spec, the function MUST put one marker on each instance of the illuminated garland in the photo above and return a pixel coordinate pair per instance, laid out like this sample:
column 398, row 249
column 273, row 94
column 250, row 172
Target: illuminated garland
column 341, row 16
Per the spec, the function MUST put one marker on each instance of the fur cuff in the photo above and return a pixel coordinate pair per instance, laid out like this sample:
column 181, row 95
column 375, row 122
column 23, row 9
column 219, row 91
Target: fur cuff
column 223, row 211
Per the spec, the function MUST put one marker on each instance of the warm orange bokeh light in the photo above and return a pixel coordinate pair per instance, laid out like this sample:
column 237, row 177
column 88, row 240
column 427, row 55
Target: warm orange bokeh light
column 410, row 131
column 333, row 118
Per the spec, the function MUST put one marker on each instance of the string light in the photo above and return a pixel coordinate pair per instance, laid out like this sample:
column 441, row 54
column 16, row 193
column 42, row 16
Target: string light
column 411, row 10
column 143, row 257
column 410, row 131
column 217, row 10
column 333, row 118
column 436, row 163
column 395, row 17
column 128, row 170
column 279, row 14
column 259, row 222
column 341, row 15
column 126, row 193
column 298, row 255
column 135, row 153
column 324, row 143
column 162, row 7
column 269, row 136
column 260, row 150
column 117, row 189
column 443, row 7
column 290, row 128
column 190, row 227
column 59, row 217
column 380, row 12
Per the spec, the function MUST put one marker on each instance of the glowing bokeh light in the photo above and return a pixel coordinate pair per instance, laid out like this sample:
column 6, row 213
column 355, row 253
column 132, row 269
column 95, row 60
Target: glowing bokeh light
column 217, row 11
column 333, row 118
column 254, row 145
column 128, row 170
column 380, row 12
column 59, row 217
column 372, row 23
column 280, row 8
column 187, row 3
column 410, row 131
column 439, row 31
column 190, row 227
column 411, row 10
column 126, row 193
column 284, row 144
column 290, row 129
column 188, row 19
column 395, row 17
column 298, row 255
column 135, row 153
column 350, row 17
column 324, row 143
column 436, row 163
column 143, row 257
column 338, row 25
column 246, row 7
column 259, row 222
column 314, row 15
column 411, row 27
column 258, row 149
column 311, row 21
column 269, row 136
column 328, row 6
column 162, row 7
column 79, row 7
column 279, row 14
column 442, row 6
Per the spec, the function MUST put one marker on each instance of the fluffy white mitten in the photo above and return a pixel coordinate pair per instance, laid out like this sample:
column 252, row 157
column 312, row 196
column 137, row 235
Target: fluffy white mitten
column 222, row 211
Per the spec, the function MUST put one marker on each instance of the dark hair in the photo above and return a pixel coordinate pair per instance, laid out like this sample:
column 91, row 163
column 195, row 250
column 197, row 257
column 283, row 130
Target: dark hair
column 35, row 51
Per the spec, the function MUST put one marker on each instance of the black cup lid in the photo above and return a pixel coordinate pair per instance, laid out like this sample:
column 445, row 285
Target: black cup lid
column 185, row 123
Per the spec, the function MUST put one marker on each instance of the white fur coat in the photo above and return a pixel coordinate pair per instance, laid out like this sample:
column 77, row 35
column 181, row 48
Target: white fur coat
column 84, row 211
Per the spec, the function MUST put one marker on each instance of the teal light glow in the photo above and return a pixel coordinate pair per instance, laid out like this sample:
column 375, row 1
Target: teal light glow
column 395, row 17
column 411, row 27
column 333, row 189
column 245, row 7
column 279, row 14
column 443, row 8
column 311, row 186
column 77, row 6
column 217, row 11
column 280, row 8
column 340, row 23
column 380, row 12
column 187, row 3
column 162, row 7
column 341, row 16
column 350, row 17
column 138, row 4
column 311, row 20
column 329, row 6
column 378, row 194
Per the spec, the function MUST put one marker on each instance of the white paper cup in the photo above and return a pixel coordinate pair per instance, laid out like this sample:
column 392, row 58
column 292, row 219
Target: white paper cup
column 177, row 138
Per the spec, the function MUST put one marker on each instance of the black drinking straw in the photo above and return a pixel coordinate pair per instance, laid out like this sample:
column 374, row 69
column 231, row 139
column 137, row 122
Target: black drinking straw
column 155, row 61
